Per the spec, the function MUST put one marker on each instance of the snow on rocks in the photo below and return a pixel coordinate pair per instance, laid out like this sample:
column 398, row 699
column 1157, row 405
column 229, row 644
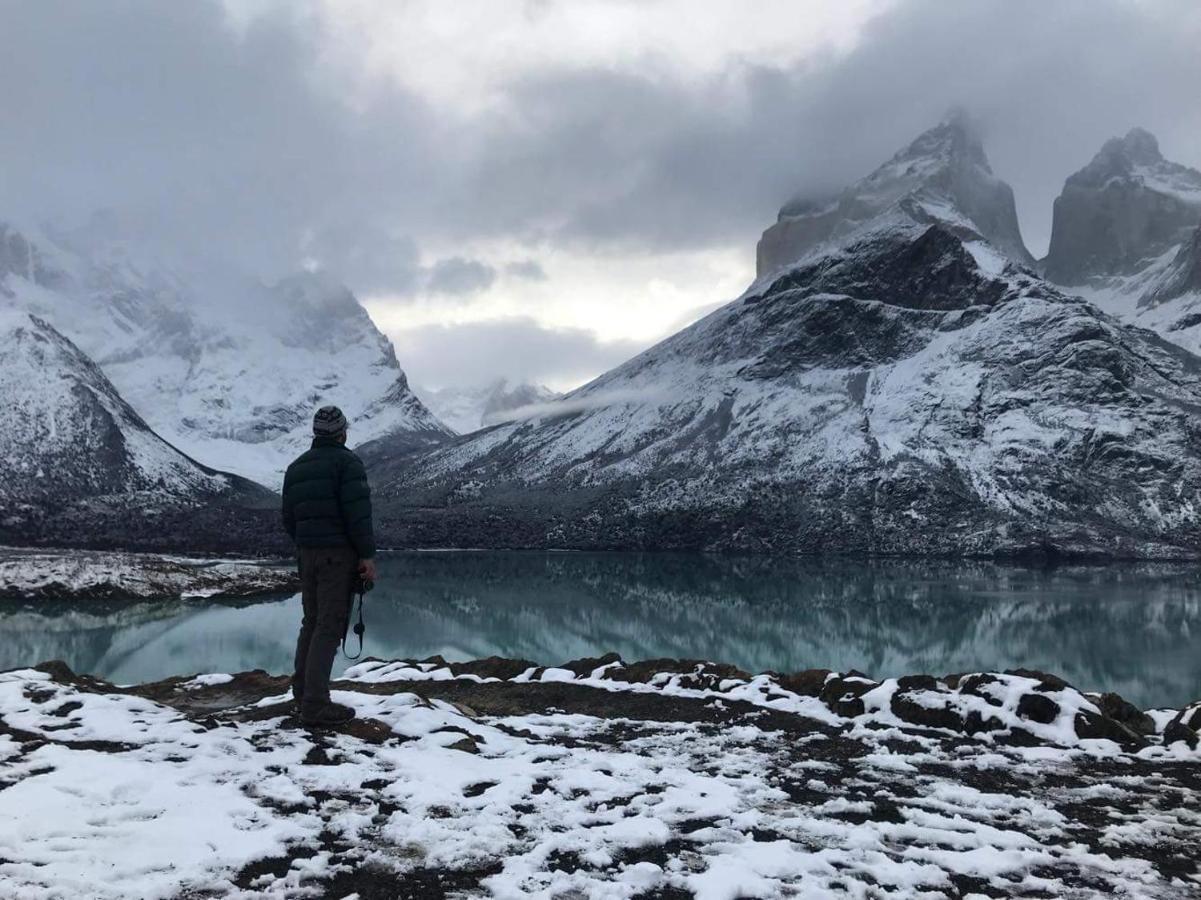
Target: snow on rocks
column 27, row 575
column 595, row 778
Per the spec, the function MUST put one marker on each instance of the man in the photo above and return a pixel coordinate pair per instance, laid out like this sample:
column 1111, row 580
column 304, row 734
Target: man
column 327, row 513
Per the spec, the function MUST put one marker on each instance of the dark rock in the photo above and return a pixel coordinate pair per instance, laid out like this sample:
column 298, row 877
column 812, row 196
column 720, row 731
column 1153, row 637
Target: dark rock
column 1120, row 710
column 906, row 708
column 974, row 723
column 1038, row 708
column 492, row 667
column 975, row 685
column 699, row 674
column 1092, row 726
column 808, row 683
column 582, row 668
column 841, row 694
column 1178, row 731
column 1045, row 681
column 1191, row 716
column 917, row 683
column 1019, row 737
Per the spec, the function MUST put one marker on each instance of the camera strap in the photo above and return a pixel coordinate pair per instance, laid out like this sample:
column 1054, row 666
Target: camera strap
column 359, row 628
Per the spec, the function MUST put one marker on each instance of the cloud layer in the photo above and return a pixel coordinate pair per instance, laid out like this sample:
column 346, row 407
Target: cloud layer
column 518, row 348
column 281, row 136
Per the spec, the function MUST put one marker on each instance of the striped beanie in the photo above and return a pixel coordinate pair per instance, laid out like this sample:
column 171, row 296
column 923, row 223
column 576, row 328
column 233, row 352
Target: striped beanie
column 329, row 422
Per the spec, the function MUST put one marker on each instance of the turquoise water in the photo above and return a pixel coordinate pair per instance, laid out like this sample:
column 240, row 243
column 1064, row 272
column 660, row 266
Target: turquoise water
column 1133, row 629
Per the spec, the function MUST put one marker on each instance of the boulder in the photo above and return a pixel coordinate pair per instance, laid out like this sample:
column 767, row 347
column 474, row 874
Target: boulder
column 842, row 693
column 808, row 683
column 1120, row 710
column 1038, row 708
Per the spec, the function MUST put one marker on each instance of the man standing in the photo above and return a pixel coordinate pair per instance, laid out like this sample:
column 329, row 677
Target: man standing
column 327, row 513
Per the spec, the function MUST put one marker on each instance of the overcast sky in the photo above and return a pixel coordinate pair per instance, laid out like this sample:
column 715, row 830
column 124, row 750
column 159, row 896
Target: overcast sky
column 540, row 188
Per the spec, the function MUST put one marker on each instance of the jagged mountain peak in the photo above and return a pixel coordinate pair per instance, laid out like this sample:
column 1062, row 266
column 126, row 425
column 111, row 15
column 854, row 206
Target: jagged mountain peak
column 943, row 175
column 1137, row 158
column 953, row 141
column 1124, row 213
column 1139, row 145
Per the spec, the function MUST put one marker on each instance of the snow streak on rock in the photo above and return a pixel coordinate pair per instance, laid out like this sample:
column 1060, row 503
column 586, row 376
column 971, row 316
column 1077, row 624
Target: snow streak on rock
column 599, row 779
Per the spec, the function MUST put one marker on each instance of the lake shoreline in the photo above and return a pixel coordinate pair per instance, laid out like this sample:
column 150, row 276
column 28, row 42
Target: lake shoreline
column 663, row 778
column 29, row 575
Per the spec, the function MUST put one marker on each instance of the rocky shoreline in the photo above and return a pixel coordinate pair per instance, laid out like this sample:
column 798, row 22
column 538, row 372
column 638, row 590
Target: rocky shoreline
column 28, row 575
column 661, row 778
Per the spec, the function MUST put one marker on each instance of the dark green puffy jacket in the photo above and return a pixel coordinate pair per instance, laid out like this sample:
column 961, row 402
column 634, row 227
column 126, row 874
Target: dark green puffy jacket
column 327, row 502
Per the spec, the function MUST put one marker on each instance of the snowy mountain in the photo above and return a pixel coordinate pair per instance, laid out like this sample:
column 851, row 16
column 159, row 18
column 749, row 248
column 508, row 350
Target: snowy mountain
column 1126, row 235
column 943, row 174
column 226, row 368
column 82, row 467
column 469, row 409
column 1124, row 210
column 903, row 386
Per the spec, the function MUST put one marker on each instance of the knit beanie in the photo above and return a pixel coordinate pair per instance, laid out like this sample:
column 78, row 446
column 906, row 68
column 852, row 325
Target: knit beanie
column 329, row 422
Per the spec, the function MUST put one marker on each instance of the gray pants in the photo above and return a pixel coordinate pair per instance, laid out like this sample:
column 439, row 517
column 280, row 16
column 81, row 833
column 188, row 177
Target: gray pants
column 327, row 577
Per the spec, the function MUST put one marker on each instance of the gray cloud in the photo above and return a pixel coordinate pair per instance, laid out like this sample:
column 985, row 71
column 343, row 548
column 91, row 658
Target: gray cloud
column 456, row 275
column 240, row 145
column 517, row 348
column 527, row 270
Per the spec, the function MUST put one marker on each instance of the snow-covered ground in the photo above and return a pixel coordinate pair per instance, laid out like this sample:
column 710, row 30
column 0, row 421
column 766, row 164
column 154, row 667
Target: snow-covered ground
column 596, row 779
column 83, row 575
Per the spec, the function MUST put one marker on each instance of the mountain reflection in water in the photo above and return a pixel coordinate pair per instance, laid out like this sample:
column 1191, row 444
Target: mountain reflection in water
column 1125, row 628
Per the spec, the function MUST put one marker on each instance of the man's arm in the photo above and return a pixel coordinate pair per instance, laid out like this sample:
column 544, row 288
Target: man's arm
column 355, row 500
column 289, row 506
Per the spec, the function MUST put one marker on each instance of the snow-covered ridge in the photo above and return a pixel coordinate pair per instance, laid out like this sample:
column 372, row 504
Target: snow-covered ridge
column 944, row 171
column 596, row 778
column 223, row 366
column 81, row 466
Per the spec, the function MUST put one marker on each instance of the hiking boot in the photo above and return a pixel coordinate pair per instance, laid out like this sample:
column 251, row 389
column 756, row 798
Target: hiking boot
column 327, row 715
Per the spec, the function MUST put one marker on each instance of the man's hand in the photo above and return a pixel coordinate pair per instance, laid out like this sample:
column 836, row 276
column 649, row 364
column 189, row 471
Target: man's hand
column 367, row 569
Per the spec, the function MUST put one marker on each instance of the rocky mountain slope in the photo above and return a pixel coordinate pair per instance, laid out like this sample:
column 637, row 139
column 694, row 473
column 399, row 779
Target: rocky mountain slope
column 81, row 467
column 1126, row 235
column 903, row 387
column 469, row 409
column 224, row 367
column 944, row 169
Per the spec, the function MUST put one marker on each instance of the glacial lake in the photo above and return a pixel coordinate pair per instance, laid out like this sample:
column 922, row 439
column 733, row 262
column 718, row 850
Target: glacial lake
column 1134, row 629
